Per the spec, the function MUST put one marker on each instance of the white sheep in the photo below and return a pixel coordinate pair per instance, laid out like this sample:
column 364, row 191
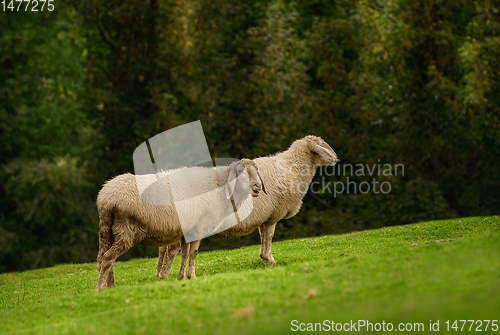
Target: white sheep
column 287, row 176
column 126, row 219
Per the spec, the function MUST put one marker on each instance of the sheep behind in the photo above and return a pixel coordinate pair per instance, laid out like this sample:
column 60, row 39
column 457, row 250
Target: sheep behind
column 126, row 220
column 287, row 176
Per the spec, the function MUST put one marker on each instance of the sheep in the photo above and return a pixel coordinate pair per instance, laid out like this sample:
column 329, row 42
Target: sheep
column 126, row 219
column 287, row 176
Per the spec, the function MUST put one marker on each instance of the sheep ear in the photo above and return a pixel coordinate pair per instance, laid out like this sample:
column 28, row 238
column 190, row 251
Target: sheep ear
column 321, row 151
column 262, row 182
column 231, row 182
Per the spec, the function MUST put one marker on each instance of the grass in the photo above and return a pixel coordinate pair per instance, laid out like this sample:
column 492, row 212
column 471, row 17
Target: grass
column 394, row 274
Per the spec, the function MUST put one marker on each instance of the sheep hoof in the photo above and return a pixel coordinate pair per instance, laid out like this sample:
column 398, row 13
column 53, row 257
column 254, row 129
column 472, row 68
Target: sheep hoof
column 100, row 288
column 162, row 276
column 268, row 259
column 192, row 277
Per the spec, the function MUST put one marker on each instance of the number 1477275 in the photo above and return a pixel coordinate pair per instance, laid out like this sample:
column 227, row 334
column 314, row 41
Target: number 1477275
column 27, row 5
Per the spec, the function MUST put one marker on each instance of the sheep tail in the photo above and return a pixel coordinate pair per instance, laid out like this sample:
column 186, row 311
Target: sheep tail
column 105, row 236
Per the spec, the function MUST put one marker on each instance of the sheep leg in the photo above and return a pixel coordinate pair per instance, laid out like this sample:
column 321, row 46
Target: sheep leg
column 266, row 237
column 110, row 281
column 105, row 239
column 263, row 237
column 106, row 276
column 168, row 259
column 161, row 256
column 184, row 258
column 195, row 245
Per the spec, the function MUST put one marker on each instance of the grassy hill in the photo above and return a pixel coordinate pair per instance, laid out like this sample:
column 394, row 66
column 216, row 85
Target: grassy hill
column 431, row 271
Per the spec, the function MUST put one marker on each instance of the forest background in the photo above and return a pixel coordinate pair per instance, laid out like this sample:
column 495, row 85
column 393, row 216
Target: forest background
column 383, row 82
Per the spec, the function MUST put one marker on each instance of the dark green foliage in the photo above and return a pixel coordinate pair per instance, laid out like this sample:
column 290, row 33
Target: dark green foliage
column 384, row 82
column 47, row 209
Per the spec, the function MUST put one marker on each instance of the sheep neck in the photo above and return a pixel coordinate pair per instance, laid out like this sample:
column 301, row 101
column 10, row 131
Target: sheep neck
column 298, row 162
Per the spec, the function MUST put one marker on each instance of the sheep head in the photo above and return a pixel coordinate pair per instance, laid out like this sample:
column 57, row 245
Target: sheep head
column 321, row 153
column 244, row 178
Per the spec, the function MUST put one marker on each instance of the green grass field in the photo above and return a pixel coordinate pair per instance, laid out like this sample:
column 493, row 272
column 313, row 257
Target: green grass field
column 392, row 275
